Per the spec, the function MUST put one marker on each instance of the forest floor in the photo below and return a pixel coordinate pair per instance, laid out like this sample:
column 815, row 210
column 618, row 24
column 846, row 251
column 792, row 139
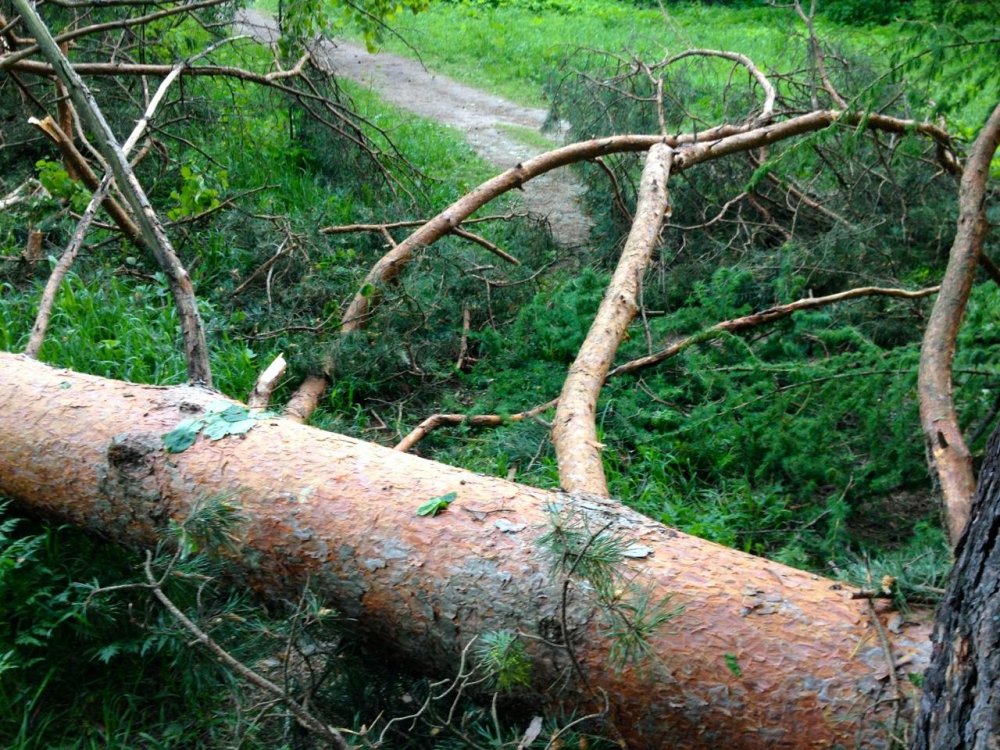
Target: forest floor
column 489, row 123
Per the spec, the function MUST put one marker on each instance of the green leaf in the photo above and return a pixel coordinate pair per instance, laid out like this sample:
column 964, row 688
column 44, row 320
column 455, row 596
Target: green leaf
column 235, row 413
column 436, row 504
column 218, row 428
column 182, row 436
column 734, row 665
column 107, row 653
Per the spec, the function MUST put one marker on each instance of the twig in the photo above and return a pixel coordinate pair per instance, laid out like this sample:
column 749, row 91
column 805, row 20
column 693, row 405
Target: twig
column 48, row 299
column 562, row 730
column 890, row 660
column 305, row 718
column 463, row 347
column 383, row 229
column 434, row 421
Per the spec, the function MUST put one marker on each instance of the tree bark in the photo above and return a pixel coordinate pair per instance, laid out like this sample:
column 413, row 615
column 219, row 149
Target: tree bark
column 574, row 429
column 340, row 513
column 960, row 707
column 947, row 453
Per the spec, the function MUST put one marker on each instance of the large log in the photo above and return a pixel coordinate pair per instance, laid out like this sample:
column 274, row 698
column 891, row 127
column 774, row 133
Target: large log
column 340, row 512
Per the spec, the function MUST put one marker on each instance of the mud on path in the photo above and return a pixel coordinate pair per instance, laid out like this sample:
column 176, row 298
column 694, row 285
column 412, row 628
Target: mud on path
column 406, row 84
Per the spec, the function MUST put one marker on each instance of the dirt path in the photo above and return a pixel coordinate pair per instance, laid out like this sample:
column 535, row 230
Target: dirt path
column 406, row 84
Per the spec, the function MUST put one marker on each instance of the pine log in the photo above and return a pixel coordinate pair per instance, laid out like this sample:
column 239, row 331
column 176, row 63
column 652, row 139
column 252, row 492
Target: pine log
column 762, row 656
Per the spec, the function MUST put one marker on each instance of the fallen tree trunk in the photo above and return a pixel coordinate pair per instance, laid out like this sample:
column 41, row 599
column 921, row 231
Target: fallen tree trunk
column 762, row 656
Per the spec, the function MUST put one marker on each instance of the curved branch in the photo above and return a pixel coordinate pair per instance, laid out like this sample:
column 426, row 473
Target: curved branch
column 692, row 148
column 947, row 452
column 770, row 94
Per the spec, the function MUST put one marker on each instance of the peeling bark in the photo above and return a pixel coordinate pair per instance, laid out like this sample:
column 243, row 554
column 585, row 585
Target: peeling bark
column 341, row 513
column 947, row 452
column 574, row 430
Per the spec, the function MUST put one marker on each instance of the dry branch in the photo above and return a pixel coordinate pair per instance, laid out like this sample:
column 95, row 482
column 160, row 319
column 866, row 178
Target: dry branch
column 690, row 149
column 75, row 162
column 763, row 317
column 383, row 229
column 770, row 93
column 260, row 396
column 947, row 452
column 434, row 421
column 195, row 347
column 574, row 431
column 41, row 325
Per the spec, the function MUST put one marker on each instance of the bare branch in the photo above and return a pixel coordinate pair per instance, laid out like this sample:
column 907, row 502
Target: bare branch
column 947, row 452
column 76, row 162
column 817, row 53
column 691, row 149
column 734, row 325
column 574, row 432
column 770, row 94
column 264, row 387
column 196, row 349
column 383, row 229
column 48, row 299
column 761, row 318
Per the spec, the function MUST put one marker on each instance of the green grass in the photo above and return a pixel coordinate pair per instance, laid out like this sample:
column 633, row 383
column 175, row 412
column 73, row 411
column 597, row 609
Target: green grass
column 529, row 137
column 515, row 48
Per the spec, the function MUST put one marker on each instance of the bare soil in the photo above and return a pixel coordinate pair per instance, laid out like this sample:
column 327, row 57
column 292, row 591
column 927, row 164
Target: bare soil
column 408, row 85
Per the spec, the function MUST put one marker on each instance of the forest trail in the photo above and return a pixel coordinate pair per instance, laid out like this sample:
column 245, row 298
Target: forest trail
column 480, row 116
